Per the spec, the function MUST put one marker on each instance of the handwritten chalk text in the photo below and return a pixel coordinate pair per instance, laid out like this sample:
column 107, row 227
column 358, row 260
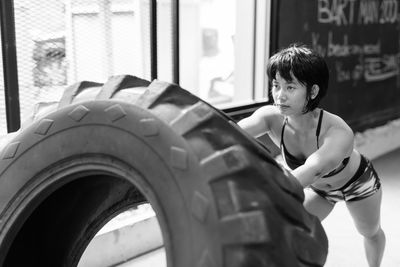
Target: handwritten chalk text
column 349, row 12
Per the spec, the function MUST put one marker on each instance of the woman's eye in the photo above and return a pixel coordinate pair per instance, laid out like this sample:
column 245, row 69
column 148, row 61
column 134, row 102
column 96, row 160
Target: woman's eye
column 290, row 88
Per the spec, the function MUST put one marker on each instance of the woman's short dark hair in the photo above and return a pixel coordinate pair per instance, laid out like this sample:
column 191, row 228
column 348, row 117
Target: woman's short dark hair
column 307, row 66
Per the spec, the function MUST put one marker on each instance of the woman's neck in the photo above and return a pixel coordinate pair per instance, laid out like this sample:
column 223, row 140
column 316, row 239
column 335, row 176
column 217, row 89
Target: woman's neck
column 303, row 123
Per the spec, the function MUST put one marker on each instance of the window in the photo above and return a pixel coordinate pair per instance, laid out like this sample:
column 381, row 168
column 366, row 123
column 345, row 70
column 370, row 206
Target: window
column 223, row 46
column 220, row 41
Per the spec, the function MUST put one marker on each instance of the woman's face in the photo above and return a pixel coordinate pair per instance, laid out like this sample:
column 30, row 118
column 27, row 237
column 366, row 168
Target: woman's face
column 289, row 96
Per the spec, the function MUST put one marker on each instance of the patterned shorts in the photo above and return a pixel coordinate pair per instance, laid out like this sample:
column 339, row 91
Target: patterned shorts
column 363, row 184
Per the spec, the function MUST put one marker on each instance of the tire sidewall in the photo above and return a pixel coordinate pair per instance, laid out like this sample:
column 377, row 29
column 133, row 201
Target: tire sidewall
column 44, row 163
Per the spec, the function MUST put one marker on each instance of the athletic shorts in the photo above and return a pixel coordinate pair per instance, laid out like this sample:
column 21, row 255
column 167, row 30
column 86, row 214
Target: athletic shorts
column 363, row 184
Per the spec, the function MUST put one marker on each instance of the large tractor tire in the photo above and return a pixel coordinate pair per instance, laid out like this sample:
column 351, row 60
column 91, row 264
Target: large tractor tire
column 219, row 197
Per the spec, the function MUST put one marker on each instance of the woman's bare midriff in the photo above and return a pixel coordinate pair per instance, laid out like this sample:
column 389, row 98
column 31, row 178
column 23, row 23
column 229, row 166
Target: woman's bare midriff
column 340, row 179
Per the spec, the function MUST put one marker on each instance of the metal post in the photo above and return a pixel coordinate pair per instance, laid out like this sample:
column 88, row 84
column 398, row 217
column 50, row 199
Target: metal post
column 175, row 40
column 105, row 15
column 153, row 39
column 274, row 45
column 10, row 67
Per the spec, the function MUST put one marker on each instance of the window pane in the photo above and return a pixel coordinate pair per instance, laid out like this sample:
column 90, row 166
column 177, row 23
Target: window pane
column 40, row 51
column 207, row 43
column 60, row 42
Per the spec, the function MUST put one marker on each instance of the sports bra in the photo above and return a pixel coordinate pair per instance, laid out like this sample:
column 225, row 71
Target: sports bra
column 294, row 162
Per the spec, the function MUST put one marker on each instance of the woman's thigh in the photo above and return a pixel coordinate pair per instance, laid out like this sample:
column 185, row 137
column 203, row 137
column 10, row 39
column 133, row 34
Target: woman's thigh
column 366, row 213
column 317, row 205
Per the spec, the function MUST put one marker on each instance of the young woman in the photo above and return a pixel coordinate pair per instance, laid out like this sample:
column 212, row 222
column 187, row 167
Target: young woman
column 318, row 146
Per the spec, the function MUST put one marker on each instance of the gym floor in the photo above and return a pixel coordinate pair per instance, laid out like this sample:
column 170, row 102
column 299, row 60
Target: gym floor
column 345, row 244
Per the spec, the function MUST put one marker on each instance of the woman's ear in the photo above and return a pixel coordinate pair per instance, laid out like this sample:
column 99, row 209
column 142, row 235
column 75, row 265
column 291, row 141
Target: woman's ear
column 314, row 91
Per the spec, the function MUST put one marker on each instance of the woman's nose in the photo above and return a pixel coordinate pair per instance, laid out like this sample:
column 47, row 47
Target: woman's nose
column 281, row 95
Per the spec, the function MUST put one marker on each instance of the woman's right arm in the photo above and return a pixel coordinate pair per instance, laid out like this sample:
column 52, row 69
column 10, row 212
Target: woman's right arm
column 259, row 122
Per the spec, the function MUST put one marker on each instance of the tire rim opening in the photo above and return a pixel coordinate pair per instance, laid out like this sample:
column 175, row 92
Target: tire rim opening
column 61, row 228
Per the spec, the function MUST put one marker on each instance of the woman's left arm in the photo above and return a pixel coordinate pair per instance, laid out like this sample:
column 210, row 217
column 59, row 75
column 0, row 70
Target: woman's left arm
column 334, row 149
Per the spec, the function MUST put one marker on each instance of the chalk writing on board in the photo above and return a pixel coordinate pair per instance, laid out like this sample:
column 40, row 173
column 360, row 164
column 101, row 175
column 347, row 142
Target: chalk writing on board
column 357, row 58
column 344, row 48
column 372, row 69
column 360, row 42
column 372, row 65
column 346, row 12
column 381, row 68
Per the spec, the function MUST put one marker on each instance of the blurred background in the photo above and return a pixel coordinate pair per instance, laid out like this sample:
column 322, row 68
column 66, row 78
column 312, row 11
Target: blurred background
column 216, row 49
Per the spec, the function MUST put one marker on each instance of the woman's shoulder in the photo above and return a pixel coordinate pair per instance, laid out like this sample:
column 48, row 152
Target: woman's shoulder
column 334, row 122
column 263, row 120
column 271, row 114
column 267, row 118
column 269, row 111
column 273, row 118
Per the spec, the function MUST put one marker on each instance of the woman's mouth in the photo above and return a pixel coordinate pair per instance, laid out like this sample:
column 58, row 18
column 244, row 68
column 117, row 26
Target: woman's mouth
column 282, row 106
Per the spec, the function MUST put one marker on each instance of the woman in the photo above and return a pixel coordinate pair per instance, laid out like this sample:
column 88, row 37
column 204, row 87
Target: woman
column 318, row 146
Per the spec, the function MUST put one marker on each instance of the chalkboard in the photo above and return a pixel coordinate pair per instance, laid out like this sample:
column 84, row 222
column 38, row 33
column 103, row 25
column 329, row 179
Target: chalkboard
column 361, row 43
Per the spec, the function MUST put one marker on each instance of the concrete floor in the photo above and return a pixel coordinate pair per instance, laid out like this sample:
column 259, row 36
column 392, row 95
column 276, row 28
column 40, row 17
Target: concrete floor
column 346, row 246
